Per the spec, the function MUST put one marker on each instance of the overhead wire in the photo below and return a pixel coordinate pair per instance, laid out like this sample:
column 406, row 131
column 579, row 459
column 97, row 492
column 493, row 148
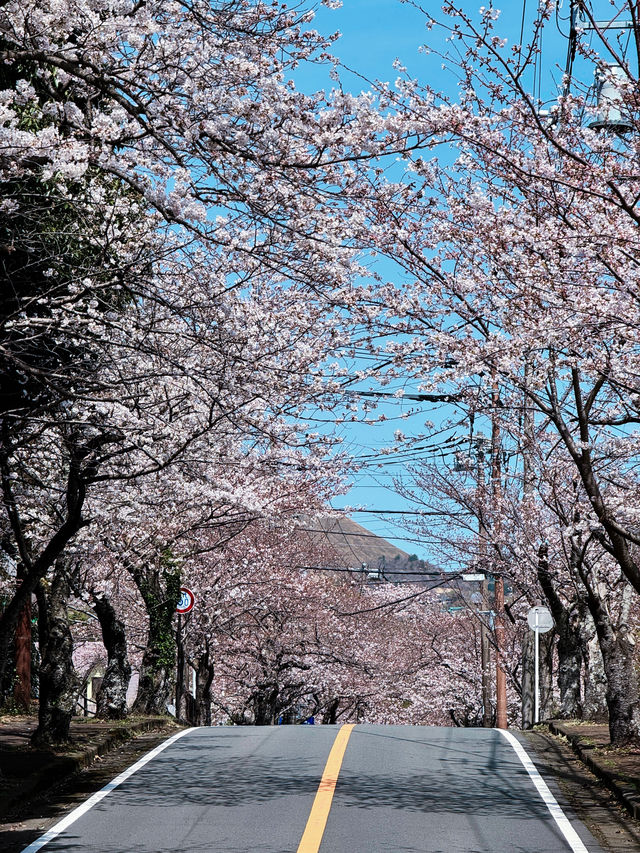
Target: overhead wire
column 524, row 12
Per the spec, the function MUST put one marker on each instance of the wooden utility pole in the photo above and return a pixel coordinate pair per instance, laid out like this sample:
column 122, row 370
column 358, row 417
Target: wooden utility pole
column 501, row 676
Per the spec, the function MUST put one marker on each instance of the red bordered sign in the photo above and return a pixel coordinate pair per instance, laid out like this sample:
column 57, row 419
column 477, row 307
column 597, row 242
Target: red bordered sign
column 187, row 600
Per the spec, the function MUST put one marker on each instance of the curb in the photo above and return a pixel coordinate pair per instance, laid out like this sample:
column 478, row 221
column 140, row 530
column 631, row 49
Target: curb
column 61, row 767
column 628, row 795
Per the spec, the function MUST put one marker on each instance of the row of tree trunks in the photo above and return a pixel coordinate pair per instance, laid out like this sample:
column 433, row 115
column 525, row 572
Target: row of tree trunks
column 58, row 682
column 612, row 657
column 589, row 640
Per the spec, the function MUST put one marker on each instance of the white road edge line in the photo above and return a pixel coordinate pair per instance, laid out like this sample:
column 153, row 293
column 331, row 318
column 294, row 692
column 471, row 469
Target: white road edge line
column 73, row 816
column 572, row 837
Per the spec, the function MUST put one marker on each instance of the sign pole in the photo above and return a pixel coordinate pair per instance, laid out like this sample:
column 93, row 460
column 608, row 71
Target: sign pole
column 179, row 667
column 540, row 621
column 536, row 631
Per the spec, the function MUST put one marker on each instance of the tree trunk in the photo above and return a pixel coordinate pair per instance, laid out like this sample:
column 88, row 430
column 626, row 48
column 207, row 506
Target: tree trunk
column 160, row 591
column 157, row 675
column 264, row 703
column 111, row 701
column 623, row 698
column 547, row 645
column 330, row 715
column 528, row 680
column 569, row 642
column 623, row 691
column 185, row 702
column 36, row 569
column 595, row 680
column 58, row 681
column 204, row 680
column 569, row 675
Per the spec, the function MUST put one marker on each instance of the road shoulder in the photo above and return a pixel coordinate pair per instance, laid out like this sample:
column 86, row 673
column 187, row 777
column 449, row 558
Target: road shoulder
column 66, row 781
column 584, row 793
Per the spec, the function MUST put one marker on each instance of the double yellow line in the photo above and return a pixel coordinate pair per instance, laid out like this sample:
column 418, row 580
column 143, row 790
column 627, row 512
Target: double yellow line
column 317, row 822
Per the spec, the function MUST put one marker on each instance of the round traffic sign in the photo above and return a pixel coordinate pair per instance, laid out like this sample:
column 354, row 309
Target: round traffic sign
column 540, row 619
column 187, row 600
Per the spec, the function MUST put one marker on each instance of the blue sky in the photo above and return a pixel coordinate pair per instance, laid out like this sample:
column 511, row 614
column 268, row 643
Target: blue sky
column 374, row 34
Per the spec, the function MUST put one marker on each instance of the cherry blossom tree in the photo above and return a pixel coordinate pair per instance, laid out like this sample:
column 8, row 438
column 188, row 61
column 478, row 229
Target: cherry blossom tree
column 202, row 231
column 518, row 256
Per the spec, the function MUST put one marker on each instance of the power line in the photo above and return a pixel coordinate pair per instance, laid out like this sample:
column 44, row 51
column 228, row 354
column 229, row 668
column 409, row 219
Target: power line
column 424, row 398
column 348, row 533
column 386, row 574
column 409, row 512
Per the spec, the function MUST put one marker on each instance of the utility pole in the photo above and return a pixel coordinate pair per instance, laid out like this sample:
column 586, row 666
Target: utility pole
column 485, row 645
column 527, row 443
column 501, row 677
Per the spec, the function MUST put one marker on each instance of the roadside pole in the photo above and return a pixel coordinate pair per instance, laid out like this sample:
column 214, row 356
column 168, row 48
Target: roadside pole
column 485, row 655
column 536, row 671
column 179, row 666
column 185, row 606
column 485, row 641
column 540, row 621
column 501, row 676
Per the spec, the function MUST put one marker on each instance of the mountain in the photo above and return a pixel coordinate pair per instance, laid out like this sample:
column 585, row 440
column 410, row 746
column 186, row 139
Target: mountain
column 356, row 548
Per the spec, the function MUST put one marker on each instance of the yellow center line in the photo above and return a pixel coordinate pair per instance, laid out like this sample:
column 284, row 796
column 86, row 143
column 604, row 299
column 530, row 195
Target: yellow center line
column 314, row 829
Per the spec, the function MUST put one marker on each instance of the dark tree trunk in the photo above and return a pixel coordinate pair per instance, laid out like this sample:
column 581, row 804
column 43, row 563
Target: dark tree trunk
column 58, row 681
column 617, row 646
column 547, row 644
column 330, row 715
column 36, row 568
column 527, row 706
column 160, row 591
column 111, row 702
column 184, row 700
column 7, row 673
column 204, row 680
column 569, row 676
column 623, row 695
column 157, row 675
column 264, row 705
column 569, row 642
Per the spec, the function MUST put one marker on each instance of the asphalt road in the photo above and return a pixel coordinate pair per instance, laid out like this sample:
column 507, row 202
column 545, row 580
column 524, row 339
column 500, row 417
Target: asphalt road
column 399, row 788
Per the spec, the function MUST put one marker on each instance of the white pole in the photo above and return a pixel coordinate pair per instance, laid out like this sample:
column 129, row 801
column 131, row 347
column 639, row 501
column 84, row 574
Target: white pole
column 536, row 714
